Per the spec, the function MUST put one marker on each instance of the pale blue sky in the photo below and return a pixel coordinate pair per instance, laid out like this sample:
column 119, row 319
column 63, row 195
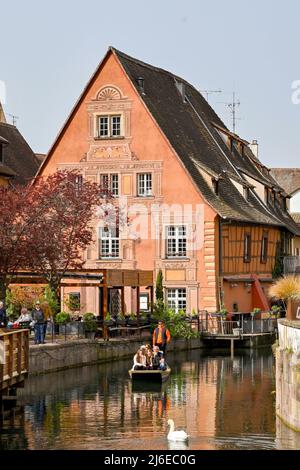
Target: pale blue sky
column 49, row 49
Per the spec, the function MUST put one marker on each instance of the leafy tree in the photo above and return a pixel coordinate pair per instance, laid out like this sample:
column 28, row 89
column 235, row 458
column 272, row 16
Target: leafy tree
column 17, row 218
column 46, row 227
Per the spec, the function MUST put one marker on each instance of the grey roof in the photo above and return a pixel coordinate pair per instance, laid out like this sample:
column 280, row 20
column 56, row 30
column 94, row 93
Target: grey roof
column 18, row 156
column 288, row 178
column 189, row 123
column 296, row 217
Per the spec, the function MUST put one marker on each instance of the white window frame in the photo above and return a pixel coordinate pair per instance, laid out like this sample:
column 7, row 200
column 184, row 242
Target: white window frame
column 144, row 184
column 110, row 126
column 113, row 182
column 78, row 183
column 179, row 241
column 176, row 297
column 109, row 243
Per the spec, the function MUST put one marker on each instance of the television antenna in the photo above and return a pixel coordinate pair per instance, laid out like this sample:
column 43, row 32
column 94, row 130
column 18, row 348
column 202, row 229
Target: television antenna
column 209, row 92
column 14, row 119
column 233, row 105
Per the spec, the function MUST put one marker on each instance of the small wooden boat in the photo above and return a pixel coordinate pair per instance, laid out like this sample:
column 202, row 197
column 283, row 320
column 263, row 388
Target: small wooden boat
column 158, row 376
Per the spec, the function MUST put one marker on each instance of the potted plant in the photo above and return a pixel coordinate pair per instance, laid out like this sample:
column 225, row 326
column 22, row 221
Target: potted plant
column 256, row 311
column 108, row 320
column 287, row 289
column 143, row 319
column 132, row 320
column 275, row 311
column 90, row 325
column 61, row 319
column 223, row 312
column 121, row 320
column 194, row 314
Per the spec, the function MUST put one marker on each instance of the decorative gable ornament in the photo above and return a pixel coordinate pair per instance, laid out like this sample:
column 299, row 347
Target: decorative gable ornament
column 109, row 93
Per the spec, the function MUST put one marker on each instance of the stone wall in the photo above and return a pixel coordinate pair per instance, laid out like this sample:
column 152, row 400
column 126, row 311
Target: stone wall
column 54, row 357
column 288, row 373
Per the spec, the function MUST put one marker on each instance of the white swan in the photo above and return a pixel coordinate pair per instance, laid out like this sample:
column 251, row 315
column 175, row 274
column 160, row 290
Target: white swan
column 176, row 435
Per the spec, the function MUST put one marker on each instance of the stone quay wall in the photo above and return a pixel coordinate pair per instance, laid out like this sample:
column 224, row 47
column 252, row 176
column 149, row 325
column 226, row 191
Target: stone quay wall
column 53, row 357
column 288, row 373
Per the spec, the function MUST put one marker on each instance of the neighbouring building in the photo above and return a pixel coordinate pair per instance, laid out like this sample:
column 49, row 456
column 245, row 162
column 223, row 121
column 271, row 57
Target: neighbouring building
column 204, row 209
column 18, row 163
column 289, row 179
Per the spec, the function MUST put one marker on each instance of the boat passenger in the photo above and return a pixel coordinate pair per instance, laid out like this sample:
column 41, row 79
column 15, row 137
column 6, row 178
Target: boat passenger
column 139, row 361
column 149, row 356
column 162, row 364
column 157, row 355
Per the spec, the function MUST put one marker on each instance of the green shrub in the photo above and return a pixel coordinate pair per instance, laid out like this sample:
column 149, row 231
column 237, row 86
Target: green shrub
column 174, row 321
column 62, row 317
column 255, row 311
column 223, row 311
column 90, row 323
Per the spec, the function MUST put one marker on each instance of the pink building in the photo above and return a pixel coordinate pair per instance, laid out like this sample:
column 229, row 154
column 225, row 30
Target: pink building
column 199, row 201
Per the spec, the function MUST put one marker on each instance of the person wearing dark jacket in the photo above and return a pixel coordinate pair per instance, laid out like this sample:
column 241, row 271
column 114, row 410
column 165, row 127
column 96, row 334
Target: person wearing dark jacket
column 39, row 322
column 3, row 318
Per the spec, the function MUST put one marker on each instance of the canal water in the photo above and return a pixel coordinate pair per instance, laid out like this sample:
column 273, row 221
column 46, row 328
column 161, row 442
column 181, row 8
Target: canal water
column 222, row 403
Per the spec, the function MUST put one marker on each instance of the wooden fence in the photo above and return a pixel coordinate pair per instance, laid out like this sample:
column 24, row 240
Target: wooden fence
column 14, row 358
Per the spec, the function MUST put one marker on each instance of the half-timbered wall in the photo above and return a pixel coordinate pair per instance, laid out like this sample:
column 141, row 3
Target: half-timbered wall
column 233, row 249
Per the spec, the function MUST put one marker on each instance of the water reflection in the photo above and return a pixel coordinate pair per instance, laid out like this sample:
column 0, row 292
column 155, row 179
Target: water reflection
column 177, row 445
column 222, row 403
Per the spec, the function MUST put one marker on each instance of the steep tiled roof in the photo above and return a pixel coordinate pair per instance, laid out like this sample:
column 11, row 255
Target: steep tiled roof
column 193, row 130
column 296, row 217
column 288, row 178
column 18, row 156
column 189, row 123
column 4, row 170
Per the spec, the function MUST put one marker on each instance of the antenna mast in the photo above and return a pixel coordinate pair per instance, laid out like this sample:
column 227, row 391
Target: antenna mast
column 233, row 107
column 14, row 119
column 209, row 92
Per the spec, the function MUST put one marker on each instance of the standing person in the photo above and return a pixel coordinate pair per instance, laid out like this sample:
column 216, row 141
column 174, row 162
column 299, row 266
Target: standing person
column 39, row 322
column 161, row 336
column 3, row 318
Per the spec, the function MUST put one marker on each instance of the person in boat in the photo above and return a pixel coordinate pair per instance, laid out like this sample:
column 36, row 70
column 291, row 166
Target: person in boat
column 149, row 357
column 162, row 364
column 156, row 357
column 139, row 360
column 161, row 337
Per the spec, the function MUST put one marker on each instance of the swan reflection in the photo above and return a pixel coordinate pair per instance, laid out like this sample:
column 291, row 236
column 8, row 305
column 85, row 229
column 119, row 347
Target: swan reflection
column 173, row 445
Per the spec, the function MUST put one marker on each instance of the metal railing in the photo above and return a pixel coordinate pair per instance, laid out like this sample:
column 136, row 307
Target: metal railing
column 291, row 264
column 216, row 325
column 80, row 330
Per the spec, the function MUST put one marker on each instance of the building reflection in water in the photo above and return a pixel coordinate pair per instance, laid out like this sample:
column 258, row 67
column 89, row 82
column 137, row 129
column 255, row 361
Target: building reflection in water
column 222, row 403
column 286, row 438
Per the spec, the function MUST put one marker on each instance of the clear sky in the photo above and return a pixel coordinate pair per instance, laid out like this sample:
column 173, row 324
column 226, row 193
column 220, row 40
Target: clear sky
column 49, row 49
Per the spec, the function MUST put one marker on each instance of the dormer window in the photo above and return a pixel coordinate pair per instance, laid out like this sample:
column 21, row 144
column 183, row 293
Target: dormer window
column 215, row 183
column 246, row 193
column 284, row 204
column 109, row 126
